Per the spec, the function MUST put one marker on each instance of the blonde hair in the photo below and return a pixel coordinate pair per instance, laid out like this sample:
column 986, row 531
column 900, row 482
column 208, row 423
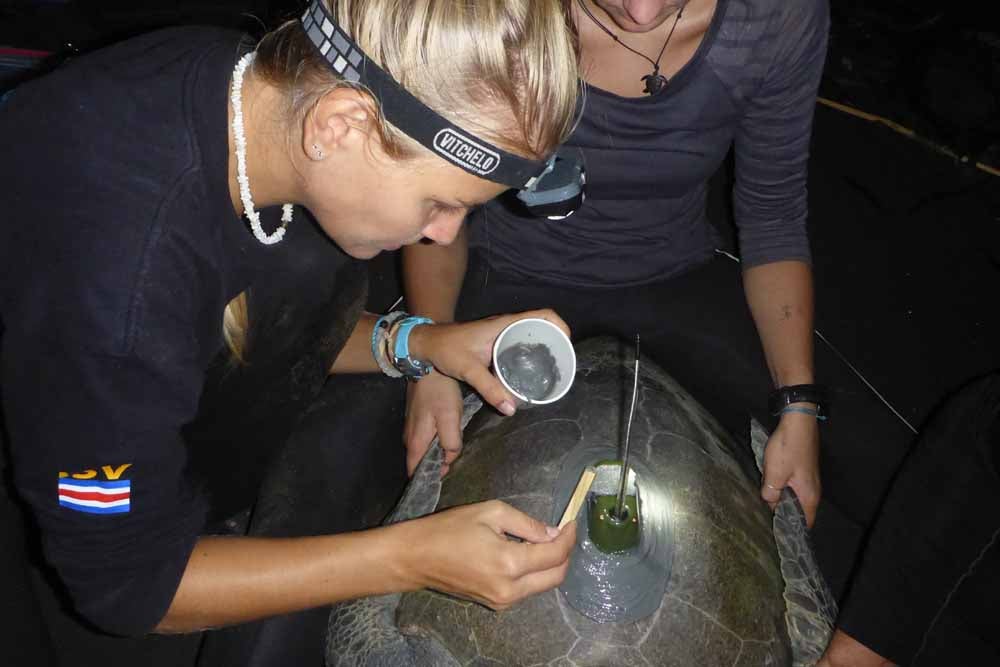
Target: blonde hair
column 505, row 70
column 235, row 324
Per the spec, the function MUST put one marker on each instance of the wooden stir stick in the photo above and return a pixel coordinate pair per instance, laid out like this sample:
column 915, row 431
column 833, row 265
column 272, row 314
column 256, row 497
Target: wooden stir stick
column 579, row 495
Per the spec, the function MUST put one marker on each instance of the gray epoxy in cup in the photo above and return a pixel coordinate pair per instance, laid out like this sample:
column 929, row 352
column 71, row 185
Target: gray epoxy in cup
column 529, row 369
column 622, row 587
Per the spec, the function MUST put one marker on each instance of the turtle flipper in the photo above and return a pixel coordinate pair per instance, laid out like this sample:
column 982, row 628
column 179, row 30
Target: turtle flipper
column 363, row 633
column 421, row 495
column 811, row 610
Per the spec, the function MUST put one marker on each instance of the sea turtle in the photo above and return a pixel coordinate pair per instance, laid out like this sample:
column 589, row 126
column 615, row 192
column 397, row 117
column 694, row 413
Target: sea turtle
column 741, row 587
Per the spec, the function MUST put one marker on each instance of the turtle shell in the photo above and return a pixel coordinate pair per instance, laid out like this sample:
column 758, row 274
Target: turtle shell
column 722, row 601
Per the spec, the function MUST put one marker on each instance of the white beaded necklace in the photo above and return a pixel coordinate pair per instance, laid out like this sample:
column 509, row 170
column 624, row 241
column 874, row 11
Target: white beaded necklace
column 239, row 137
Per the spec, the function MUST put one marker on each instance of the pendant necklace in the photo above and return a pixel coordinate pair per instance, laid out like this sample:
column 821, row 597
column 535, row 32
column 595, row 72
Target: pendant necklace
column 655, row 82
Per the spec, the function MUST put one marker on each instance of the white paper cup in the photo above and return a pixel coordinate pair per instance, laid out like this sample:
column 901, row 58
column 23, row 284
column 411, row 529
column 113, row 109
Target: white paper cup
column 532, row 331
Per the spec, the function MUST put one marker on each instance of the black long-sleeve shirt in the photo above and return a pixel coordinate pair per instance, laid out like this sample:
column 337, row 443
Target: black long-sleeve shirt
column 120, row 251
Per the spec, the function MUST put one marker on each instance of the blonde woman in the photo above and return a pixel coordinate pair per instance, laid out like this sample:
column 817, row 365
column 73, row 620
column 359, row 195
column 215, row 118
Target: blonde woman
column 150, row 184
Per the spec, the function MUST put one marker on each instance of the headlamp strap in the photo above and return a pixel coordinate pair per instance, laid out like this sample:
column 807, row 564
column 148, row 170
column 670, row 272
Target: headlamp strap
column 410, row 115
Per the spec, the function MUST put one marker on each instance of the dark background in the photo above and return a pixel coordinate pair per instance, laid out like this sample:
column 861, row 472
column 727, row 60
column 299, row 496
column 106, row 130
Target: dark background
column 905, row 227
column 932, row 66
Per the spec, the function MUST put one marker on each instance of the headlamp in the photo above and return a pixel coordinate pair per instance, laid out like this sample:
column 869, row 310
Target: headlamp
column 560, row 190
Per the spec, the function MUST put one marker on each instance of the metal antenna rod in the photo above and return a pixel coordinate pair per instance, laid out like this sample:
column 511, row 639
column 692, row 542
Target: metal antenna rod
column 620, row 505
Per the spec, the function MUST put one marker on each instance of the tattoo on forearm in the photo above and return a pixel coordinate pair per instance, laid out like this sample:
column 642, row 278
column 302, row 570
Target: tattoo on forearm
column 786, row 312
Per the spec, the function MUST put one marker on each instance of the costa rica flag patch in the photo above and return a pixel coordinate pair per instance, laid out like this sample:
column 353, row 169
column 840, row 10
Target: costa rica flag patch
column 96, row 497
column 86, row 492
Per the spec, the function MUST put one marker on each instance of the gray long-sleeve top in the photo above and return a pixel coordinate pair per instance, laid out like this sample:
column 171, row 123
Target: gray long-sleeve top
column 751, row 83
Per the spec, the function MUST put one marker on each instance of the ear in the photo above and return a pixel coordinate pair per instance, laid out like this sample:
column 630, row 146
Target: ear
column 341, row 115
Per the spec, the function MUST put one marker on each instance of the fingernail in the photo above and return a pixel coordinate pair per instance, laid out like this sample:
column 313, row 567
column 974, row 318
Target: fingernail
column 552, row 531
column 507, row 408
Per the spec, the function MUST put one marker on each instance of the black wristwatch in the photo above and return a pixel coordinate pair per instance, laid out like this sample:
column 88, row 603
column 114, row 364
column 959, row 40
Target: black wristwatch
column 798, row 393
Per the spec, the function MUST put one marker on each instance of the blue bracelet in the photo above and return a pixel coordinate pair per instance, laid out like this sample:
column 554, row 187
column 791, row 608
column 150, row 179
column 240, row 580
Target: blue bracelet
column 812, row 412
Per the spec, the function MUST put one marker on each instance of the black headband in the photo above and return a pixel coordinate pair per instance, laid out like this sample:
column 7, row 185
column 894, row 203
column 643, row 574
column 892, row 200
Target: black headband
column 409, row 114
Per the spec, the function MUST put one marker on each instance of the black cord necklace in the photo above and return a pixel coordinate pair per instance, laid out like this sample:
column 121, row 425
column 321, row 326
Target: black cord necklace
column 655, row 82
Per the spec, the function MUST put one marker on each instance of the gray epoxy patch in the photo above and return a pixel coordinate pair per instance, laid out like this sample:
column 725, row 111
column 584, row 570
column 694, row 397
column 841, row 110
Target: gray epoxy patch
column 609, row 588
column 529, row 369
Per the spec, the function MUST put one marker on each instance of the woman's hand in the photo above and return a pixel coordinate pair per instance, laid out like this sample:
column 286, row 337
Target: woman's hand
column 464, row 351
column 791, row 458
column 458, row 351
column 466, row 552
column 433, row 406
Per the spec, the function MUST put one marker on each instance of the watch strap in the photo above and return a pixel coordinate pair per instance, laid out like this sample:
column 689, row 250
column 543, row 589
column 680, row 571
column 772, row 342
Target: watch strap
column 411, row 368
column 798, row 393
